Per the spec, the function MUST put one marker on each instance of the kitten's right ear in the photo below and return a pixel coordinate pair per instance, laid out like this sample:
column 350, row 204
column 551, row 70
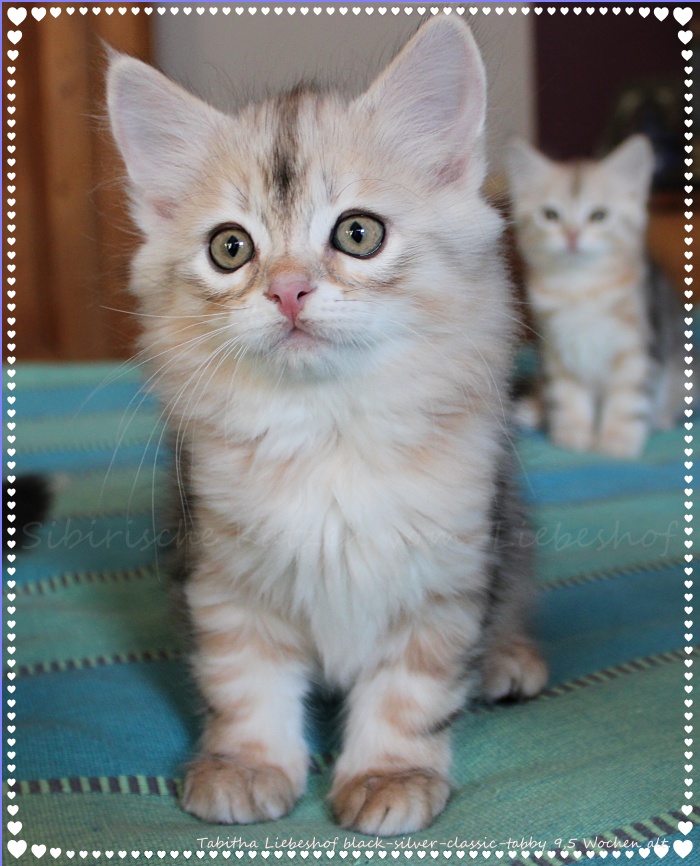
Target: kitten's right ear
column 526, row 167
column 632, row 164
column 161, row 130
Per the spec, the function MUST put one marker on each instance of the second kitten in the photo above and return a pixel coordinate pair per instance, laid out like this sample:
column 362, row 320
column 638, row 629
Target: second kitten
column 610, row 325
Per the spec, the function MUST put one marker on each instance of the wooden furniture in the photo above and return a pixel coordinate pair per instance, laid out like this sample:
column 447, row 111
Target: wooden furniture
column 73, row 237
column 666, row 236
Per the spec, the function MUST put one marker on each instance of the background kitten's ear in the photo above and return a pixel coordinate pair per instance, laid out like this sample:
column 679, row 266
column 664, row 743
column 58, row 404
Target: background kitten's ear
column 632, row 163
column 161, row 130
column 431, row 100
column 526, row 167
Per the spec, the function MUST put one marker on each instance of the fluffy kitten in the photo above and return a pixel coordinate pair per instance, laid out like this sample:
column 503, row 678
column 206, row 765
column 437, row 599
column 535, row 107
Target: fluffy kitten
column 330, row 333
column 610, row 325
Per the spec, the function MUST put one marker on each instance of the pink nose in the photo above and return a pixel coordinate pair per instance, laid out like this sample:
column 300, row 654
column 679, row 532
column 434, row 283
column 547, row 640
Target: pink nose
column 572, row 236
column 290, row 294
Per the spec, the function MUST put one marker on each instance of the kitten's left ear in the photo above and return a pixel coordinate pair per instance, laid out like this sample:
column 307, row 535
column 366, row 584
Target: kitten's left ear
column 632, row 162
column 430, row 103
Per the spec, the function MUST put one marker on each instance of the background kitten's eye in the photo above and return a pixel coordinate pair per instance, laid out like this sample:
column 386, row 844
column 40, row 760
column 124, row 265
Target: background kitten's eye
column 597, row 215
column 358, row 235
column 231, row 247
column 550, row 214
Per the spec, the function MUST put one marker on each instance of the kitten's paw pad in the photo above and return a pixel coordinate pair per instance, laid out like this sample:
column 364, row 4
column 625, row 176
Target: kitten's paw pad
column 388, row 804
column 514, row 671
column 223, row 791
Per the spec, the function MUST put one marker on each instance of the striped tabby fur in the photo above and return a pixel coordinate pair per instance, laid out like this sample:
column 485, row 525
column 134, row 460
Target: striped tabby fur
column 343, row 451
column 610, row 324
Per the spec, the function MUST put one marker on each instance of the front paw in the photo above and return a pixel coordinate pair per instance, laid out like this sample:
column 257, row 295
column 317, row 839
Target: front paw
column 223, row 790
column 514, row 670
column 529, row 412
column 625, row 440
column 389, row 804
column 575, row 437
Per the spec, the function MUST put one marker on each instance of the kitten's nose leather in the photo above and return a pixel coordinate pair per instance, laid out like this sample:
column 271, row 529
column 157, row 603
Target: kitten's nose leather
column 290, row 294
column 572, row 236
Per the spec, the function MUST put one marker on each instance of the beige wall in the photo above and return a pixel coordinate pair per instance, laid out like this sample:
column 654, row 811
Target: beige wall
column 230, row 59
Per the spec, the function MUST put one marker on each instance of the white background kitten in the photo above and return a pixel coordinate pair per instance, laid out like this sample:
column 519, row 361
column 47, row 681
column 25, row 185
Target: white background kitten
column 610, row 325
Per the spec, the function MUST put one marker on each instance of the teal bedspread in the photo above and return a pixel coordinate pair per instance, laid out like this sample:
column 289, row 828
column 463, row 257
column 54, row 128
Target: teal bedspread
column 105, row 714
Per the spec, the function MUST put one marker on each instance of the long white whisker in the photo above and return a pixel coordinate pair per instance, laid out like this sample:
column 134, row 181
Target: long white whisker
column 130, row 364
column 227, row 348
column 155, row 377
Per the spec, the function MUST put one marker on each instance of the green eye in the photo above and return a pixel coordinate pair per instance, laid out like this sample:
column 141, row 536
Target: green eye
column 359, row 235
column 231, row 247
column 550, row 214
column 598, row 215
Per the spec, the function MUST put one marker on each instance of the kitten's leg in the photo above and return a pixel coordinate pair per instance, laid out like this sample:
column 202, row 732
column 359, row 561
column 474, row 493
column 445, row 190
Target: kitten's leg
column 527, row 398
column 626, row 407
column 669, row 394
column 392, row 774
column 571, row 411
column 529, row 411
column 253, row 761
column 512, row 667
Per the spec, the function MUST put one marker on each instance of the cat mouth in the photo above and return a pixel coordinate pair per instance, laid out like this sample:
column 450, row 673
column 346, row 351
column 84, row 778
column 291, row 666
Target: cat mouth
column 299, row 336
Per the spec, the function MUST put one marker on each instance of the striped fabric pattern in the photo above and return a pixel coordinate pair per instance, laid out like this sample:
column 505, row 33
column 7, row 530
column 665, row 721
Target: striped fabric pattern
column 106, row 716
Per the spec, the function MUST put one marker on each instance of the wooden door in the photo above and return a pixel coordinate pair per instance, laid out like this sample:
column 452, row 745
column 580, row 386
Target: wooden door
column 73, row 236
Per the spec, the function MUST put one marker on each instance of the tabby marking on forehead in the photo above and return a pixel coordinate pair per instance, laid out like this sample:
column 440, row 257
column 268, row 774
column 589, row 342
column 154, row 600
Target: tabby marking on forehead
column 285, row 171
column 578, row 171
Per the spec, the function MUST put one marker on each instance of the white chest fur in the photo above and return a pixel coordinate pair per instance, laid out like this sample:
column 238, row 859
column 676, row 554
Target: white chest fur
column 344, row 518
column 589, row 320
column 585, row 340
